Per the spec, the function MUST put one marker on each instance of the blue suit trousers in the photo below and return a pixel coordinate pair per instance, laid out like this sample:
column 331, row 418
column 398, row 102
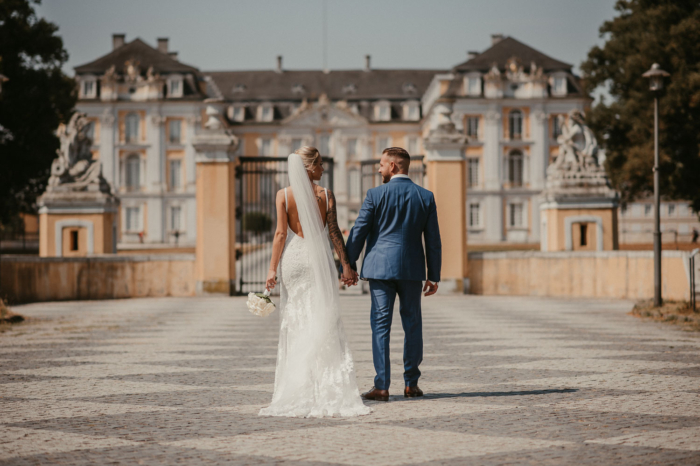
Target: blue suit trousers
column 383, row 293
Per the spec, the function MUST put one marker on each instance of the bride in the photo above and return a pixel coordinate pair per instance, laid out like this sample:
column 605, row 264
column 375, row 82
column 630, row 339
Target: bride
column 315, row 375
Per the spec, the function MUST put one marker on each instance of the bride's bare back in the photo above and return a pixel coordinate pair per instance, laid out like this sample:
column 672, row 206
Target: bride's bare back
column 293, row 215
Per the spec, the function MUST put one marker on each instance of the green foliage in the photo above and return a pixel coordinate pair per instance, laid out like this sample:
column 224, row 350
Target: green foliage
column 37, row 97
column 257, row 222
column 646, row 32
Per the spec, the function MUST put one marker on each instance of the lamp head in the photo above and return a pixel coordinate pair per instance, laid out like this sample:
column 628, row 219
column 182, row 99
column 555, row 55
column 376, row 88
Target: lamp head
column 656, row 77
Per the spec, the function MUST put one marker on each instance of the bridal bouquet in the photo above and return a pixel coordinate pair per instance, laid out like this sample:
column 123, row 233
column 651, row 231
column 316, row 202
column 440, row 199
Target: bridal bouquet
column 260, row 304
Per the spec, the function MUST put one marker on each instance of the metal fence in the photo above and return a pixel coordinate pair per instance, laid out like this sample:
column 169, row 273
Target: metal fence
column 258, row 181
column 370, row 178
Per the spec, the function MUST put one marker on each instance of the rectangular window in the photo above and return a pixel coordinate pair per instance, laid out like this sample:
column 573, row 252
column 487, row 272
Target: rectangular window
column 556, row 127
column 175, row 212
column 584, row 234
column 412, row 146
column 174, row 127
column 516, row 215
column 266, row 113
column 383, row 112
column 351, row 148
column 671, row 209
column 647, row 210
column 473, row 127
column 383, row 143
column 175, row 88
column 324, row 145
column 354, row 184
column 683, row 210
column 412, row 112
column 238, row 114
column 131, row 127
column 132, row 218
column 296, row 144
column 74, row 240
column 266, row 146
column 473, row 172
column 89, row 89
column 175, row 174
column 559, row 87
column 515, row 170
column 474, row 215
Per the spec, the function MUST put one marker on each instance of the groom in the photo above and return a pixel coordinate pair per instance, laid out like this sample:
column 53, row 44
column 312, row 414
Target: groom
column 394, row 220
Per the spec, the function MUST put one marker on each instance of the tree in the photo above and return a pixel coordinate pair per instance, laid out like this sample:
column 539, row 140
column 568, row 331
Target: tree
column 646, row 32
column 36, row 98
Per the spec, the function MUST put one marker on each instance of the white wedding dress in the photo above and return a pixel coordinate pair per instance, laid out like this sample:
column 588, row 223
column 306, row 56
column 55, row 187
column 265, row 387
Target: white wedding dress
column 314, row 375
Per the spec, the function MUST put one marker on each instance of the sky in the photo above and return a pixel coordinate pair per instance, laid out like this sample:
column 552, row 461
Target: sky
column 249, row 34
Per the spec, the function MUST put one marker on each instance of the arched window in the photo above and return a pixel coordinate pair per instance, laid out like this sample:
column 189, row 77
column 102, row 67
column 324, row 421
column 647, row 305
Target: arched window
column 515, row 124
column 515, row 168
column 133, row 172
column 131, row 127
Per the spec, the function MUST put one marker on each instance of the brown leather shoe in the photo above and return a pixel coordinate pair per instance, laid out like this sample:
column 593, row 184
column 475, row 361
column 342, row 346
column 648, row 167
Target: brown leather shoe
column 412, row 392
column 376, row 394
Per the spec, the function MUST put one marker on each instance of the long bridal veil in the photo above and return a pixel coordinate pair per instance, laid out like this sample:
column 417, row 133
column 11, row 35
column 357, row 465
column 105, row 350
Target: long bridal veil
column 315, row 376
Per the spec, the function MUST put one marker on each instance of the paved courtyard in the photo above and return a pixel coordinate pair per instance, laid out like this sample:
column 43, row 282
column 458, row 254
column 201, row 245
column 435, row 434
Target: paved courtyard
column 507, row 381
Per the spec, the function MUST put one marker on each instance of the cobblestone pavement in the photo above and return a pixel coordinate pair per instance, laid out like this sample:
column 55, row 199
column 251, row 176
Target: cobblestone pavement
column 507, row 381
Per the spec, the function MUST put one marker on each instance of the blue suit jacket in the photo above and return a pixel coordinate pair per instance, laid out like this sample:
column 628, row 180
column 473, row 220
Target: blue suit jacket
column 393, row 221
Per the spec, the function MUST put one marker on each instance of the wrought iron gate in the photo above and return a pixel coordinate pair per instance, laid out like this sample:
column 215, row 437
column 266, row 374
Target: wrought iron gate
column 369, row 177
column 258, row 180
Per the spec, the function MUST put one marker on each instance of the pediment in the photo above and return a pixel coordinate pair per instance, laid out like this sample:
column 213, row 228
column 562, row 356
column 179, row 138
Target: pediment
column 325, row 115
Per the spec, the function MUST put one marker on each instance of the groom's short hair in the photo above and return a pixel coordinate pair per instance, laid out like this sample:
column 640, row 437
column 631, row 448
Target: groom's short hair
column 400, row 155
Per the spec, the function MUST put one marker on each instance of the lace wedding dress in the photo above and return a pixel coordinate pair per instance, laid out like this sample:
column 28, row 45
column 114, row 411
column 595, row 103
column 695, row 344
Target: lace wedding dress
column 314, row 375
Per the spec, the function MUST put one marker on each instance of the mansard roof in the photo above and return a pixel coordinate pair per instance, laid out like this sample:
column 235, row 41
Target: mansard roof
column 505, row 49
column 337, row 85
column 139, row 51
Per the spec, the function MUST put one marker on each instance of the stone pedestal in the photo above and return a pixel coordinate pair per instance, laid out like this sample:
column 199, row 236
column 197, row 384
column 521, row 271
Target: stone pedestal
column 77, row 224
column 215, row 263
column 446, row 172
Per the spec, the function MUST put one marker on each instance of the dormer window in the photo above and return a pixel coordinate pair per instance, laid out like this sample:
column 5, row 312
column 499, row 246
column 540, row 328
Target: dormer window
column 349, row 89
column 298, row 89
column 382, row 111
column 411, row 111
column 559, row 85
column 237, row 113
column 472, row 85
column 265, row 112
column 88, row 87
column 175, row 86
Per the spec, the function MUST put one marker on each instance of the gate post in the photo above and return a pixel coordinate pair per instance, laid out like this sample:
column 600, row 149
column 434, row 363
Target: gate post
column 446, row 170
column 215, row 250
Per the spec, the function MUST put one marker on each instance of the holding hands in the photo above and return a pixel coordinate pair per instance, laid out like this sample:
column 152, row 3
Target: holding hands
column 349, row 276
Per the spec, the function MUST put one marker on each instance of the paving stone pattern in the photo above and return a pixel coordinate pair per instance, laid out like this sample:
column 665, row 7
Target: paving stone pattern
column 507, row 381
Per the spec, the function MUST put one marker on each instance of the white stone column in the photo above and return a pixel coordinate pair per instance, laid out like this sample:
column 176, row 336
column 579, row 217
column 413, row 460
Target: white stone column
column 108, row 155
column 492, row 158
column 155, row 178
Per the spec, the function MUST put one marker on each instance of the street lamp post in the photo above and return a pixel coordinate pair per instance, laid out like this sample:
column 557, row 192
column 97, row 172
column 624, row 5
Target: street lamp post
column 656, row 83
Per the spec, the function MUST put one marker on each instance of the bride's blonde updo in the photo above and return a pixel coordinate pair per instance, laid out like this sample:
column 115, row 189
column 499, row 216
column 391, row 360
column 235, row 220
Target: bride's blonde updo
column 309, row 155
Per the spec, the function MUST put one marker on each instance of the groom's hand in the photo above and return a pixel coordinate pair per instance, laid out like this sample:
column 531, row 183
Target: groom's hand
column 430, row 288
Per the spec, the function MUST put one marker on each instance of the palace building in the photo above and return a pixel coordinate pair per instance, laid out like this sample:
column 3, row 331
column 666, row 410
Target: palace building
column 146, row 107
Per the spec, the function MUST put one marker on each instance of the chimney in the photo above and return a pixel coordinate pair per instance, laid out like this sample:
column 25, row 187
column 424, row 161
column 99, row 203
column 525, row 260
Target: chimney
column 279, row 63
column 472, row 54
column 367, row 60
column 496, row 38
column 117, row 40
column 173, row 55
column 163, row 44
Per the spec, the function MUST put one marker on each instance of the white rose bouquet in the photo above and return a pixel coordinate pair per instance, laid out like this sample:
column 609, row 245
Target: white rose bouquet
column 260, row 304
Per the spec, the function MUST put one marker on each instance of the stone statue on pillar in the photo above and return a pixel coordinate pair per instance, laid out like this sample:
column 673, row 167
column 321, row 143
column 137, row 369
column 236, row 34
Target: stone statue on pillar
column 74, row 169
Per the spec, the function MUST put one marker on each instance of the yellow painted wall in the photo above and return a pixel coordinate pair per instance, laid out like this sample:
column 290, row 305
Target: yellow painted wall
column 102, row 230
column 610, row 274
column 556, row 233
column 216, row 243
column 32, row 279
column 451, row 197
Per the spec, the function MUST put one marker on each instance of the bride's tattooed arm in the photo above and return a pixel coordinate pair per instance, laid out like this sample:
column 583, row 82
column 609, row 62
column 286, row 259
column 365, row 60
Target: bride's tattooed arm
column 334, row 231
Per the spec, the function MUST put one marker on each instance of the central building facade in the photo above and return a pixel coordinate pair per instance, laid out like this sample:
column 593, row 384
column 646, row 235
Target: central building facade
column 146, row 107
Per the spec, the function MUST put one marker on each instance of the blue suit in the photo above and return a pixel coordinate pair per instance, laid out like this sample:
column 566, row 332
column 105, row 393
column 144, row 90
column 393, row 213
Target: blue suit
column 394, row 220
